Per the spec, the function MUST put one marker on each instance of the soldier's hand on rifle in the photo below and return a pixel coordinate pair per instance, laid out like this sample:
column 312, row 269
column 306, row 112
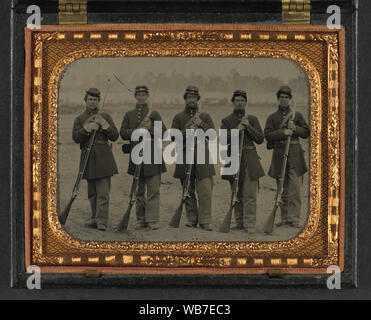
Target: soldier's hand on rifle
column 287, row 132
column 291, row 125
column 241, row 127
column 91, row 126
column 245, row 122
column 101, row 122
column 146, row 124
column 191, row 124
column 197, row 122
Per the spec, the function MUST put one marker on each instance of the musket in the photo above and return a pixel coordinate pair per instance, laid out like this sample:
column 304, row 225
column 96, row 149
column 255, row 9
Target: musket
column 123, row 84
column 124, row 223
column 268, row 226
column 226, row 225
column 65, row 213
column 175, row 221
column 123, row 226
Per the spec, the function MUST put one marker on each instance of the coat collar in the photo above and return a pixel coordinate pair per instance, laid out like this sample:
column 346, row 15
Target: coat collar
column 190, row 110
column 239, row 112
column 284, row 111
column 141, row 106
column 90, row 113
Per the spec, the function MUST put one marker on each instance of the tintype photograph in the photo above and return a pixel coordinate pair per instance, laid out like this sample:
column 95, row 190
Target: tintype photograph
column 184, row 149
column 248, row 178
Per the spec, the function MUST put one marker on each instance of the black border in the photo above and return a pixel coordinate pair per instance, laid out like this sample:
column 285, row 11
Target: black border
column 18, row 275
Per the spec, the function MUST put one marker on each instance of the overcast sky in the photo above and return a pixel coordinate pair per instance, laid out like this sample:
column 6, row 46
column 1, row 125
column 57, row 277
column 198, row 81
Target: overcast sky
column 283, row 69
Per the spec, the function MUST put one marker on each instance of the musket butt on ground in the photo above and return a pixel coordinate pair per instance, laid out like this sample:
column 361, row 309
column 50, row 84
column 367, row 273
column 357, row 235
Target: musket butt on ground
column 123, row 226
column 175, row 221
column 65, row 213
column 225, row 227
column 173, row 226
column 268, row 230
column 62, row 221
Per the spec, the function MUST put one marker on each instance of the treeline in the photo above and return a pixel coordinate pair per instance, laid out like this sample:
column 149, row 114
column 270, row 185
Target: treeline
column 171, row 83
column 176, row 82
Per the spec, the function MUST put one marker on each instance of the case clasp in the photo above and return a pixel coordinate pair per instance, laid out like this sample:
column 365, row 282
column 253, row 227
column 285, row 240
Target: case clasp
column 73, row 12
column 275, row 274
column 296, row 11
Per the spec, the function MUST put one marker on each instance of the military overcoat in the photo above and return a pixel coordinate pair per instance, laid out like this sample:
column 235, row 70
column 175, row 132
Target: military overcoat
column 101, row 162
column 180, row 121
column 250, row 158
column 131, row 122
column 276, row 137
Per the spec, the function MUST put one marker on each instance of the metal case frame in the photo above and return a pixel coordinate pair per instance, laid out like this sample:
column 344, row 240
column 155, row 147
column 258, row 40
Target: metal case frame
column 182, row 13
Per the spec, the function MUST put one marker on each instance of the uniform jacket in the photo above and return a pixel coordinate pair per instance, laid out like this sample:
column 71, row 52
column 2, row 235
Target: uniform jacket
column 201, row 171
column 275, row 136
column 250, row 158
column 101, row 162
column 131, row 121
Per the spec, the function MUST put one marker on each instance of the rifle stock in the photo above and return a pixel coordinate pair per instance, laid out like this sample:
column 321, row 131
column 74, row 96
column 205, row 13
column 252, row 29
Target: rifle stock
column 124, row 223
column 268, row 226
column 175, row 221
column 65, row 213
column 123, row 226
column 225, row 227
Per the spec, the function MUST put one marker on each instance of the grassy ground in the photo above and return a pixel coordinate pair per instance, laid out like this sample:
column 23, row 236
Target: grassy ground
column 68, row 160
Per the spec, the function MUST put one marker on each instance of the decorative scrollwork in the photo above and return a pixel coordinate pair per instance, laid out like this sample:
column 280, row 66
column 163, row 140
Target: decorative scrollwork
column 205, row 44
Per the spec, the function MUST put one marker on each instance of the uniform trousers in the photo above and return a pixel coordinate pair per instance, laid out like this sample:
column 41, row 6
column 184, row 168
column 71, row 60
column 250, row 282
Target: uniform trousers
column 291, row 196
column 199, row 212
column 245, row 209
column 99, row 196
column 148, row 206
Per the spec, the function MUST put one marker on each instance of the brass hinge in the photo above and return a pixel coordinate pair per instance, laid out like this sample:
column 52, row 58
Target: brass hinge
column 73, row 11
column 296, row 11
column 92, row 274
column 275, row 274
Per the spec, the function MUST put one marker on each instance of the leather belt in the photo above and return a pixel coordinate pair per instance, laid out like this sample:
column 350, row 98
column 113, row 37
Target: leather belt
column 249, row 148
column 282, row 144
column 100, row 142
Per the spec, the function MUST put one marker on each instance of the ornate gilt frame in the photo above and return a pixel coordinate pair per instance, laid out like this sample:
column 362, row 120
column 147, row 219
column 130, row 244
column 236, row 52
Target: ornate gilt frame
column 317, row 50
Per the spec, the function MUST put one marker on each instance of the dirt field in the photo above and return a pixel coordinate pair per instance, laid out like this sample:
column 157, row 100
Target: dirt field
column 68, row 161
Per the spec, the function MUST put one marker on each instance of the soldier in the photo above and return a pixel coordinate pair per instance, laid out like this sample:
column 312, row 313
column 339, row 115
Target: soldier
column 147, row 208
column 101, row 165
column 202, row 174
column 251, row 170
column 276, row 135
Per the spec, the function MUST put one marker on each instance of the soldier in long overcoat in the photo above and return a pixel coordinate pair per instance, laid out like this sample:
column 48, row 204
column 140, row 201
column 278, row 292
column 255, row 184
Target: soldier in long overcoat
column 276, row 134
column 251, row 169
column 101, row 165
column 147, row 206
column 202, row 174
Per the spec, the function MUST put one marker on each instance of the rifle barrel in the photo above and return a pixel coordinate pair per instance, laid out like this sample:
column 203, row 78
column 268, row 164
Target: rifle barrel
column 226, row 225
column 268, row 226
